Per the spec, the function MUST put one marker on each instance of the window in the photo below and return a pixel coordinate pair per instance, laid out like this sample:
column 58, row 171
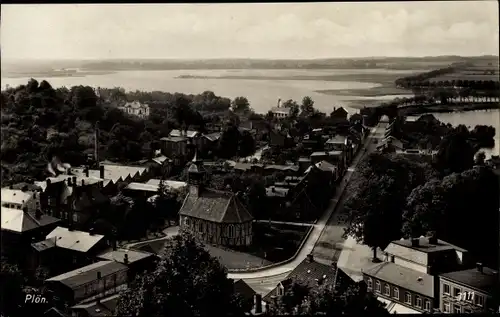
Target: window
column 446, row 289
column 456, row 292
column 408, row 298
column 369, row 283
column 387, row 290
column 396, row 293
column 418, row 302
column 378, row 286
column 186, row 221
column 457, row 309
column 479, row 300
column 446, row 307
column 280, row 291
column 427, row 305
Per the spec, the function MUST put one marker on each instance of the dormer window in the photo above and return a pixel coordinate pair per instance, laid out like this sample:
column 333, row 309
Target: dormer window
column 280, row 290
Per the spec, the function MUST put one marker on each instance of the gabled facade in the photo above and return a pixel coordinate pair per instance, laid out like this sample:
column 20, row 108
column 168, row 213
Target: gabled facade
column 136, row 108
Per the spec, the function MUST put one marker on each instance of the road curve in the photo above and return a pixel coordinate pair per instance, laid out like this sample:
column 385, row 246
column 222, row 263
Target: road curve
column 308, row 246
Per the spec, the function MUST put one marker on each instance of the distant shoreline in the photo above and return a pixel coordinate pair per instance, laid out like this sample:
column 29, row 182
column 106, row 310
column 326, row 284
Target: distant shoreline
column 54, row 74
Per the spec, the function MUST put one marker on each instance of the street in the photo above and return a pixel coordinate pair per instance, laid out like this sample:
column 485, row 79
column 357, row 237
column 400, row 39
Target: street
column 326, row 243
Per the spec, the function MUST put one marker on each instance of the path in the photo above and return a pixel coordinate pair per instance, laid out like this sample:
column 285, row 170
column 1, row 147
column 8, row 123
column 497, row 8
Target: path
column 253, row 278
column 304, row 224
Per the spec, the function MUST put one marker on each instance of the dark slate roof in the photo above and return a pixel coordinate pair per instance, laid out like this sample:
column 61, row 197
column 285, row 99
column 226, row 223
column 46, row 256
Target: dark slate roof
column 86, row 274
column 340, row 110
column 308, row 273
column 105, row 307
column 409, row 279
column 216, row 206
column 242, row 288
column 485, row 281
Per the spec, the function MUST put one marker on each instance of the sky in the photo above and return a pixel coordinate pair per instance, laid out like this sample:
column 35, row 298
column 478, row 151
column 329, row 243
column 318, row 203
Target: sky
column 243, row 30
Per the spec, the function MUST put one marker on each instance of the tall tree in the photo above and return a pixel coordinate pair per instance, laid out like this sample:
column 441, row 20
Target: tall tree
column 455, row 152
column 307, row 106
column 293, row 106
column 240, row 105
column 187, row 282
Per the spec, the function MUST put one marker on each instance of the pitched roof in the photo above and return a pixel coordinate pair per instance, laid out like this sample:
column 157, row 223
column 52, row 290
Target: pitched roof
column 105, row 306
column 168, row 183
column 483, row 281
column 17, row 220
column 338, row 139
column 281, row 110
column 242, row 288
column 119, row 255
column 326, row 166
column 412, row 280
column 215, row 206
column 135, row 104
column 340, row 110
column 74, row 240
column 419, row 254
column 113, row 173
column 86, row 274
column 294, row 168
column 15, row 196
column 174, row 139
column 179, row 133
column 309, row 273
column 213, row 136
column 44, row 245
column 142, row 187
column 160, row 159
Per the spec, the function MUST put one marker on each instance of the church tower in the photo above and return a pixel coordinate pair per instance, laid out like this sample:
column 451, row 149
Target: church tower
column 196, row 176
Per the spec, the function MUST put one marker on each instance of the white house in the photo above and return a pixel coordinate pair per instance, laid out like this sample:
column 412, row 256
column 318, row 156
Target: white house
column 18, row 199
column 136, row 108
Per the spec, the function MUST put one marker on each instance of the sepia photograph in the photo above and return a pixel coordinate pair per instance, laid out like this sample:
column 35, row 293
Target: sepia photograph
column 240, row 159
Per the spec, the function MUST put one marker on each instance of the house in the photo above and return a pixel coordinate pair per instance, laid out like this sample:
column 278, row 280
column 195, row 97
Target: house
column 190, row 134
column 158, row 165
column 142, row 190
column 279, row 139
column 136, row 108
column 469, row 291
column 174, row 146
column 340, row 143
column 339, row 113
column 330, row 171
column 19, row 199
column 309, row 273
column 99, row 308
column 216, row 217
column 391, row 144
column 83, row 200
column 245, row 291
column 304, row 164
column 136, row 261
column 90, row 282
column 21, row 227
column 280, row 112
column 70, row 248
column 403, row 286
column 210, row 141
column 408, row 276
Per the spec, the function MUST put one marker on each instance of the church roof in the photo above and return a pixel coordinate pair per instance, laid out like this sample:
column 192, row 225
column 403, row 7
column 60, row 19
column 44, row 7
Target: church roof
column 215, row 206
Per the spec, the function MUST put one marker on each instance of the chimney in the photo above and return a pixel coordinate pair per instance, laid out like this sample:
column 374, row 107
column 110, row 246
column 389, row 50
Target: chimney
column 99, row 275
column 48, row 182
column 101, row 171
column 83, row 182
column 11, row 187
column 310, row 257
column 479, row 267
column 25, row 210
column 125, row 259
column 114, row 243
column 415, row 242
column 257, row 300
column 86, row 172
column 68, row 181
column 279, row 103
column 273, row 189
column 38, row 214
column 433, row 239
column 91, row 231
column 74, row 180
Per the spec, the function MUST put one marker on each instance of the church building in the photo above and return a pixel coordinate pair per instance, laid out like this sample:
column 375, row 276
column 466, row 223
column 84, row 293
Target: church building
column 215, row 217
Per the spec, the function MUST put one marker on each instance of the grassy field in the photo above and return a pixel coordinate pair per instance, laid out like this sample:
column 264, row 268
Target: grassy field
column 480, row 70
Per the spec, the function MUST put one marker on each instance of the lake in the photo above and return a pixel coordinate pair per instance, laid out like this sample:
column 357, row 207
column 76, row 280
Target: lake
column 262, row 93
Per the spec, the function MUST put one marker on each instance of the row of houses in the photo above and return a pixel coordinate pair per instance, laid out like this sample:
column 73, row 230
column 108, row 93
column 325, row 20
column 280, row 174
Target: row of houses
column 424, row 275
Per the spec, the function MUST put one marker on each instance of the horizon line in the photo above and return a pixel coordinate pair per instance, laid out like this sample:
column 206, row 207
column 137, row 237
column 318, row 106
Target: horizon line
column 238, row 58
